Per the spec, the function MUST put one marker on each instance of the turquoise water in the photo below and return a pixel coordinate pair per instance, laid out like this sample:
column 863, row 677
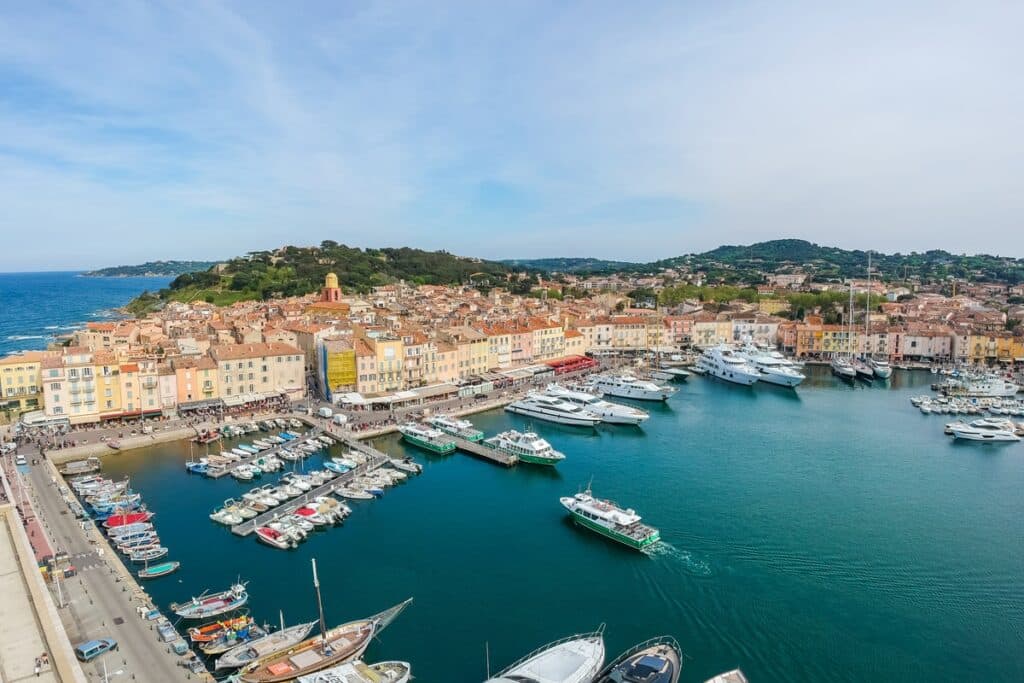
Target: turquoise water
column 832, row 534
column 37, row 307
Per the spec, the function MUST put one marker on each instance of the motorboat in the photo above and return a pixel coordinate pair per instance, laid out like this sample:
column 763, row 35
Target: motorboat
column 734, row 676
column 353, row 494
column 427, row 437
column 773, row 370
column 125, row 519
column 611, row 413
column 526, row 446
column 576, row 659
column 725, row 364
column 206, row 606
column 983, row 430
column 628, row 386
column 658, row 660
column 406, row 465
column 551, row 409
column 881, row 367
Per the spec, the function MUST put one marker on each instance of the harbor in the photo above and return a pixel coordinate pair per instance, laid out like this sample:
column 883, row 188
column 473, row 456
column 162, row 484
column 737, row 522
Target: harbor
column 773, row 461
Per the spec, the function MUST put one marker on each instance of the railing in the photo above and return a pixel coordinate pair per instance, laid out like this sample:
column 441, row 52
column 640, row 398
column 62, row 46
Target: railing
column 579, row 636
column 650, row 642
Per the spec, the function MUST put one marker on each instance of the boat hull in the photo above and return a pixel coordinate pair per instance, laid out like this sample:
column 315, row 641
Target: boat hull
column 441, row 448
column 560, row 418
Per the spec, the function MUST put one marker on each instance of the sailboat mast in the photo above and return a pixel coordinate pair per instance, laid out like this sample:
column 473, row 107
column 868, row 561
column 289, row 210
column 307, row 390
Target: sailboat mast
column 867, row 306
column 319, row 604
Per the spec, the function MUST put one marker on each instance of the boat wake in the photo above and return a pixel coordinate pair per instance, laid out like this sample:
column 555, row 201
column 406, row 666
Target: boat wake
column 691, row 564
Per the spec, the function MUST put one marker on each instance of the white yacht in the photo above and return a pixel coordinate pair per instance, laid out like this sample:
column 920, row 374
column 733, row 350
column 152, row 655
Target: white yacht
column 881, row 367
column 576, row 659
column 551, row 409
column 772, row 369
column 991, row 387
column 983, row 430
column 722, row 362
column 843, row 368
column 628, row 386
column 612, row 413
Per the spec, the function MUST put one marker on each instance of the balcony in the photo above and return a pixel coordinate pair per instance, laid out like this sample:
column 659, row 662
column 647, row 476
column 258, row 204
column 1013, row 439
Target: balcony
column 149, row 383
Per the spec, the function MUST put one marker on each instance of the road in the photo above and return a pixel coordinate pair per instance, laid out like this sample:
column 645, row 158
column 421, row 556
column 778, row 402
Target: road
column 99, row 601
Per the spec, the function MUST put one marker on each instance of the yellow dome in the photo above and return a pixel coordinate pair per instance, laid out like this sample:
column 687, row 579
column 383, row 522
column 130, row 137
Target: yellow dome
column 331, row 281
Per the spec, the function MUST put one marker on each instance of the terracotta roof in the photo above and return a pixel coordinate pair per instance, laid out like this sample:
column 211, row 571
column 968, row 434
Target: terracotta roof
column 255, row 350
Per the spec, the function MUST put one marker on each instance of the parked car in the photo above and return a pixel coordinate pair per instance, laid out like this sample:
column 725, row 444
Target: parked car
column 325, row 412
column 92, row 649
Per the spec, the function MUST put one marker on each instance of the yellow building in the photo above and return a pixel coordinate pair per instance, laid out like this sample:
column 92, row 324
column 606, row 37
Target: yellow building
column 21, row 386
column 108, row 384
column 471, row 348
column 837, row 339
column 336, row 367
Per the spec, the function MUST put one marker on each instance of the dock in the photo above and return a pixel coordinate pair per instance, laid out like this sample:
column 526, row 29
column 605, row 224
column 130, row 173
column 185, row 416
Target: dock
column 232, row 466
column 486, row 452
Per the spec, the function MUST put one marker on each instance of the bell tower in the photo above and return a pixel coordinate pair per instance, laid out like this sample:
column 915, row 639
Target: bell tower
column 331, row 292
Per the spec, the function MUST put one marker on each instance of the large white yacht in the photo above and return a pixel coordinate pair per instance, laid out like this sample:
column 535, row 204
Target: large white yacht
column 628, row 386
column 722, row 362
column 612, row 413
column 551, row 409
column 987, row 386
column 984, row 430
column 576, row 659
column 773, row 370
column 881, row 367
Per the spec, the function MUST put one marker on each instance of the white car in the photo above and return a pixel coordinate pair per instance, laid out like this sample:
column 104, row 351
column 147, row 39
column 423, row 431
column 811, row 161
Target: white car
column 20, row 460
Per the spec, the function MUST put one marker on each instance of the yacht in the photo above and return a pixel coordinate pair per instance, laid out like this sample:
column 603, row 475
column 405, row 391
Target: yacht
column 881, row 367
column 576, row 659
column 983, row 430
column 842, row 368
column 526, row 446
column 772, row 369
column 610, row 520
column 612, row 413
column 674, row 372
column 863, row 370
column 552, row 409
column 658, row 660
column 723, row 363
column 734, row 676
column 989, row 387
column 628, row 386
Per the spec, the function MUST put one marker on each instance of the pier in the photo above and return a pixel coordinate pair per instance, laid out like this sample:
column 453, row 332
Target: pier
column 233, row 465
column 486, row 452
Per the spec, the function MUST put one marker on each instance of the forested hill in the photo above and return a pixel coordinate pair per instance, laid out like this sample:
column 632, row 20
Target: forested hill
column 574, row 265
column 152, row 269
column 292, row 271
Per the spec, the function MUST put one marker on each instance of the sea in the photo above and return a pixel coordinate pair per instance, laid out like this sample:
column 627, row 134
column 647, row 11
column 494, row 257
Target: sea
column 37, row 308
column 831, row 533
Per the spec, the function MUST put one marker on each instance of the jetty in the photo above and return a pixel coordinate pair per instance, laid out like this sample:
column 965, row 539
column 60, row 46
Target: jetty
column 230, row 467
column 481, row 450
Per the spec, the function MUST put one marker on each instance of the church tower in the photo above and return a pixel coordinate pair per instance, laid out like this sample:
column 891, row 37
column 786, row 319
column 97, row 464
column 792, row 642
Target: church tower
column 331, row 292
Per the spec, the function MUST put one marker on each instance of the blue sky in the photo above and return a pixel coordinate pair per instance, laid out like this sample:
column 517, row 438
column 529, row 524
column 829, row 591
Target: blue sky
column 133, row 131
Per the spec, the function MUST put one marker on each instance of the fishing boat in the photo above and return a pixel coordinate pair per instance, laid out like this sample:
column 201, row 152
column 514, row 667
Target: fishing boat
column 158, row 570
column 201, row 466
column 266, row 646
column 360, row 672
column 129, row 529
column 610, row 520
column 205, row 633
column 127, row 518
column 232, row 638
column 212, row 605
column 331, row 648
column 526, row 446
column 576, row 659
column 658, row 660
column 147, row 554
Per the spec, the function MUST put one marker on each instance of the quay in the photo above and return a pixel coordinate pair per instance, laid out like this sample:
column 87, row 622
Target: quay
column 486, row 452
column 233, row 465
column 249, row 526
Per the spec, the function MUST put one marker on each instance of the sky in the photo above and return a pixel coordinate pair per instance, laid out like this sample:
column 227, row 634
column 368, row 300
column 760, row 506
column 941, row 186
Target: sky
column 134, row 131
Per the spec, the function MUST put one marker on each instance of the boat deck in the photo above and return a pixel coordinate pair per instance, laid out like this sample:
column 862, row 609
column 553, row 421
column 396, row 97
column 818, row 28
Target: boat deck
column 231, row 467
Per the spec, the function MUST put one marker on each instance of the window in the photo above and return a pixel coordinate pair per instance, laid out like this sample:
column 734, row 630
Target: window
column 55, row 386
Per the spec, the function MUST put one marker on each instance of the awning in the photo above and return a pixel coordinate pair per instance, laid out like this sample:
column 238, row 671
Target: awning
column 205, row 403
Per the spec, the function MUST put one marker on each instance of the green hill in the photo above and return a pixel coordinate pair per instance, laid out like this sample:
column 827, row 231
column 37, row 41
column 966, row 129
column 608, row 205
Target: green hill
column 152, row 269
column 573, row 265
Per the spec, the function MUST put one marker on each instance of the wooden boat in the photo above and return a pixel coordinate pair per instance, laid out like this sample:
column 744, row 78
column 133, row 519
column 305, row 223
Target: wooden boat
column 212, row 605
column 127, row 518
column 147, row 554
column 268, row 645
column 232, row 639
column 158, row 570
column 204, row 633
column 332, row 647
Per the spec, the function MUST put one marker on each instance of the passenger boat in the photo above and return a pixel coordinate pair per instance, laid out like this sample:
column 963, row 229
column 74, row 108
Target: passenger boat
column 658, row 660
column 125, row 519
column 427, row 437
column 551, row 409
column 628, row 386
column 212, row 605
column 452, row 425
column 331, row 648
column 611, row 413
column 147, row 554
column 360, row 672
column 526, row 446
column 158, row 570
column 576, row 659
column 205, row 633
column 268, row 645
column 610, row 520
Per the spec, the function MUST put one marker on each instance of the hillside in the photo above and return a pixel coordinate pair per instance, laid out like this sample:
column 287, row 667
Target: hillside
column 152, row 269
column 292, row 271
column 573, row 265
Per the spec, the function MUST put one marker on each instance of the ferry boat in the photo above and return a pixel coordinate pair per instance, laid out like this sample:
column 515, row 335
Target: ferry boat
column 360, row 672
column 773, row 370
column 881, row 367
column 273, row 643
column 658, row 660
column 552, row 409
column 461, row 428
column 576, row 659
column 427, row 437
column 628, row 386
column 722, row 362
column 526, row 446
column 608, row 519
column 206, row 606
column 612, row 413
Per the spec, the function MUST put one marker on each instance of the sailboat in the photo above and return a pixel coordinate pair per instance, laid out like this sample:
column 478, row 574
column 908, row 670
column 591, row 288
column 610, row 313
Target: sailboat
column 268, row 645
column 879, row 367
column 332, row 647
column 841, row 366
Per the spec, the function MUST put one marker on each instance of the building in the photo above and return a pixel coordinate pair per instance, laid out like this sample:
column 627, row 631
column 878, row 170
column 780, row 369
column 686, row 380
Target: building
column 21, row 386
column 335, row 367
column 260, row 370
